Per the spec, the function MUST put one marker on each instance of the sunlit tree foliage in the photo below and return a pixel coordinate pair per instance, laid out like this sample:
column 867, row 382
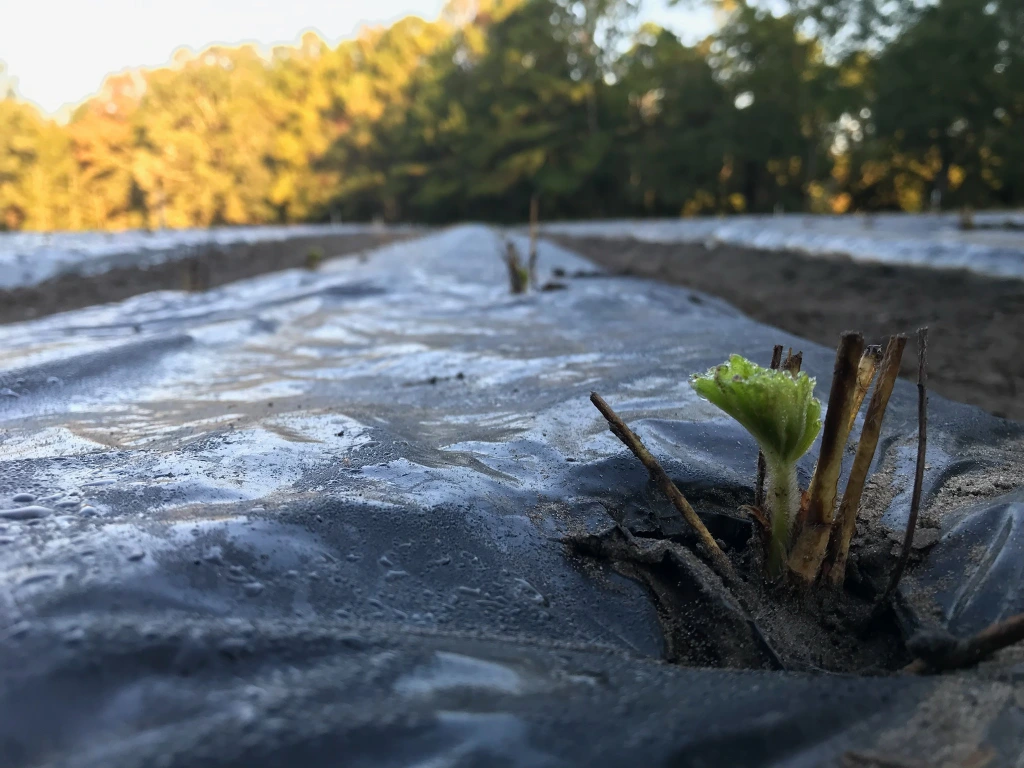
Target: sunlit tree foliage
column 813, row 105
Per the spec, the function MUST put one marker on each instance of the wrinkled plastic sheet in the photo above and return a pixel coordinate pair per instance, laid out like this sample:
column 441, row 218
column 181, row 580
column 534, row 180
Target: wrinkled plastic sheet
column 316, row 519
column 995, row 247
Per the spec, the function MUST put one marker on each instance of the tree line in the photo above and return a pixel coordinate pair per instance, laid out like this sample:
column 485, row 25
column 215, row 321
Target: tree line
column 799, row 105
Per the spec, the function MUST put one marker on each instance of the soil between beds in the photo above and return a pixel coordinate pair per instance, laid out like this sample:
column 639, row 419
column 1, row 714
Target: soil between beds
column 976, row 354
column 210, row 266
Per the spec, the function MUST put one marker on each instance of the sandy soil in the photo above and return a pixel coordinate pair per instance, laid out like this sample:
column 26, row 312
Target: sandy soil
column 976, row 352
column 209, row 268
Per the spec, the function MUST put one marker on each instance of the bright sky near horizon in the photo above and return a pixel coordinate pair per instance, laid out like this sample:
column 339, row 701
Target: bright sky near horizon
column 59, row 51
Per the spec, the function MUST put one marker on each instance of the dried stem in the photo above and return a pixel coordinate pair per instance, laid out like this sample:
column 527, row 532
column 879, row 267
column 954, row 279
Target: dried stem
column 732, row 629
column 967, row 653
column 761, row 466
column 518, row 276
column 618, row 427
column 834, row 569
column 812, row 538
column 757, row 515
column 922, row 445
column 793, row 363
column 534, row 219
column 196, row 274
column 869, row 362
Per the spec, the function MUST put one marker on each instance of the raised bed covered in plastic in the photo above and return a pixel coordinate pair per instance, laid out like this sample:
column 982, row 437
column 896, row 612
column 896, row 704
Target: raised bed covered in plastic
column 318, row 518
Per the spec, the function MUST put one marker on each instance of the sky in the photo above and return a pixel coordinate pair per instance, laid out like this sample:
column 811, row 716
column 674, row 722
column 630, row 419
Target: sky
column 59, row 51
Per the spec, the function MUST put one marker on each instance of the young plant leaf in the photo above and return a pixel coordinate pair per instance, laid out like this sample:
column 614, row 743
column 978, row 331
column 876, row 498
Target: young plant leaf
column 778, row 409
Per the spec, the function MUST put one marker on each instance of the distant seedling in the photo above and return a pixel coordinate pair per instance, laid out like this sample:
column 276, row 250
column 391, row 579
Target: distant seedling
column 518, row 273
column 195, row 276
column 523, row 277
column 314, row 258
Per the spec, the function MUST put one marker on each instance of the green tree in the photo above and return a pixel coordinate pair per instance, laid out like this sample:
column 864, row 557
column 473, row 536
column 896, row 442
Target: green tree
column 673, row 143
column 102, row 135
column 203, row 134
column 36, row 175
column 535, row 122
column 300, row 103
column 786, row 103
column 824, row 105
column 939, row 87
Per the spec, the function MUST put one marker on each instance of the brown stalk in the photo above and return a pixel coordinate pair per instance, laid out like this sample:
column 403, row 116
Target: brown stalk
column 793, row 363
column 758, row 517
column 966, row 653
column 922, row 446
column 196, row 274
column 517, row 276
column 762, row 467
column 869, row 362
column 812, row 537
column 834, row 570
column 618, row 427
column 534, row 219
column 963, row 653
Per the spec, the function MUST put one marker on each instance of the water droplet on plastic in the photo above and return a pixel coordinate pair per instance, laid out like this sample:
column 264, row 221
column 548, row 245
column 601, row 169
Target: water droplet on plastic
column 530, row 592
column 352, row 642
column 24, row 498
column 253, row 588
column 35, row 578
column 233, row 647
column 74, row 636
column 25, row 513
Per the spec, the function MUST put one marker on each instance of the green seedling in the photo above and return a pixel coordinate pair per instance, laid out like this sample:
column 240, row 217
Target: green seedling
column 314, row 259
column 804, row 539
column 780, row 412
column 518, row 273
